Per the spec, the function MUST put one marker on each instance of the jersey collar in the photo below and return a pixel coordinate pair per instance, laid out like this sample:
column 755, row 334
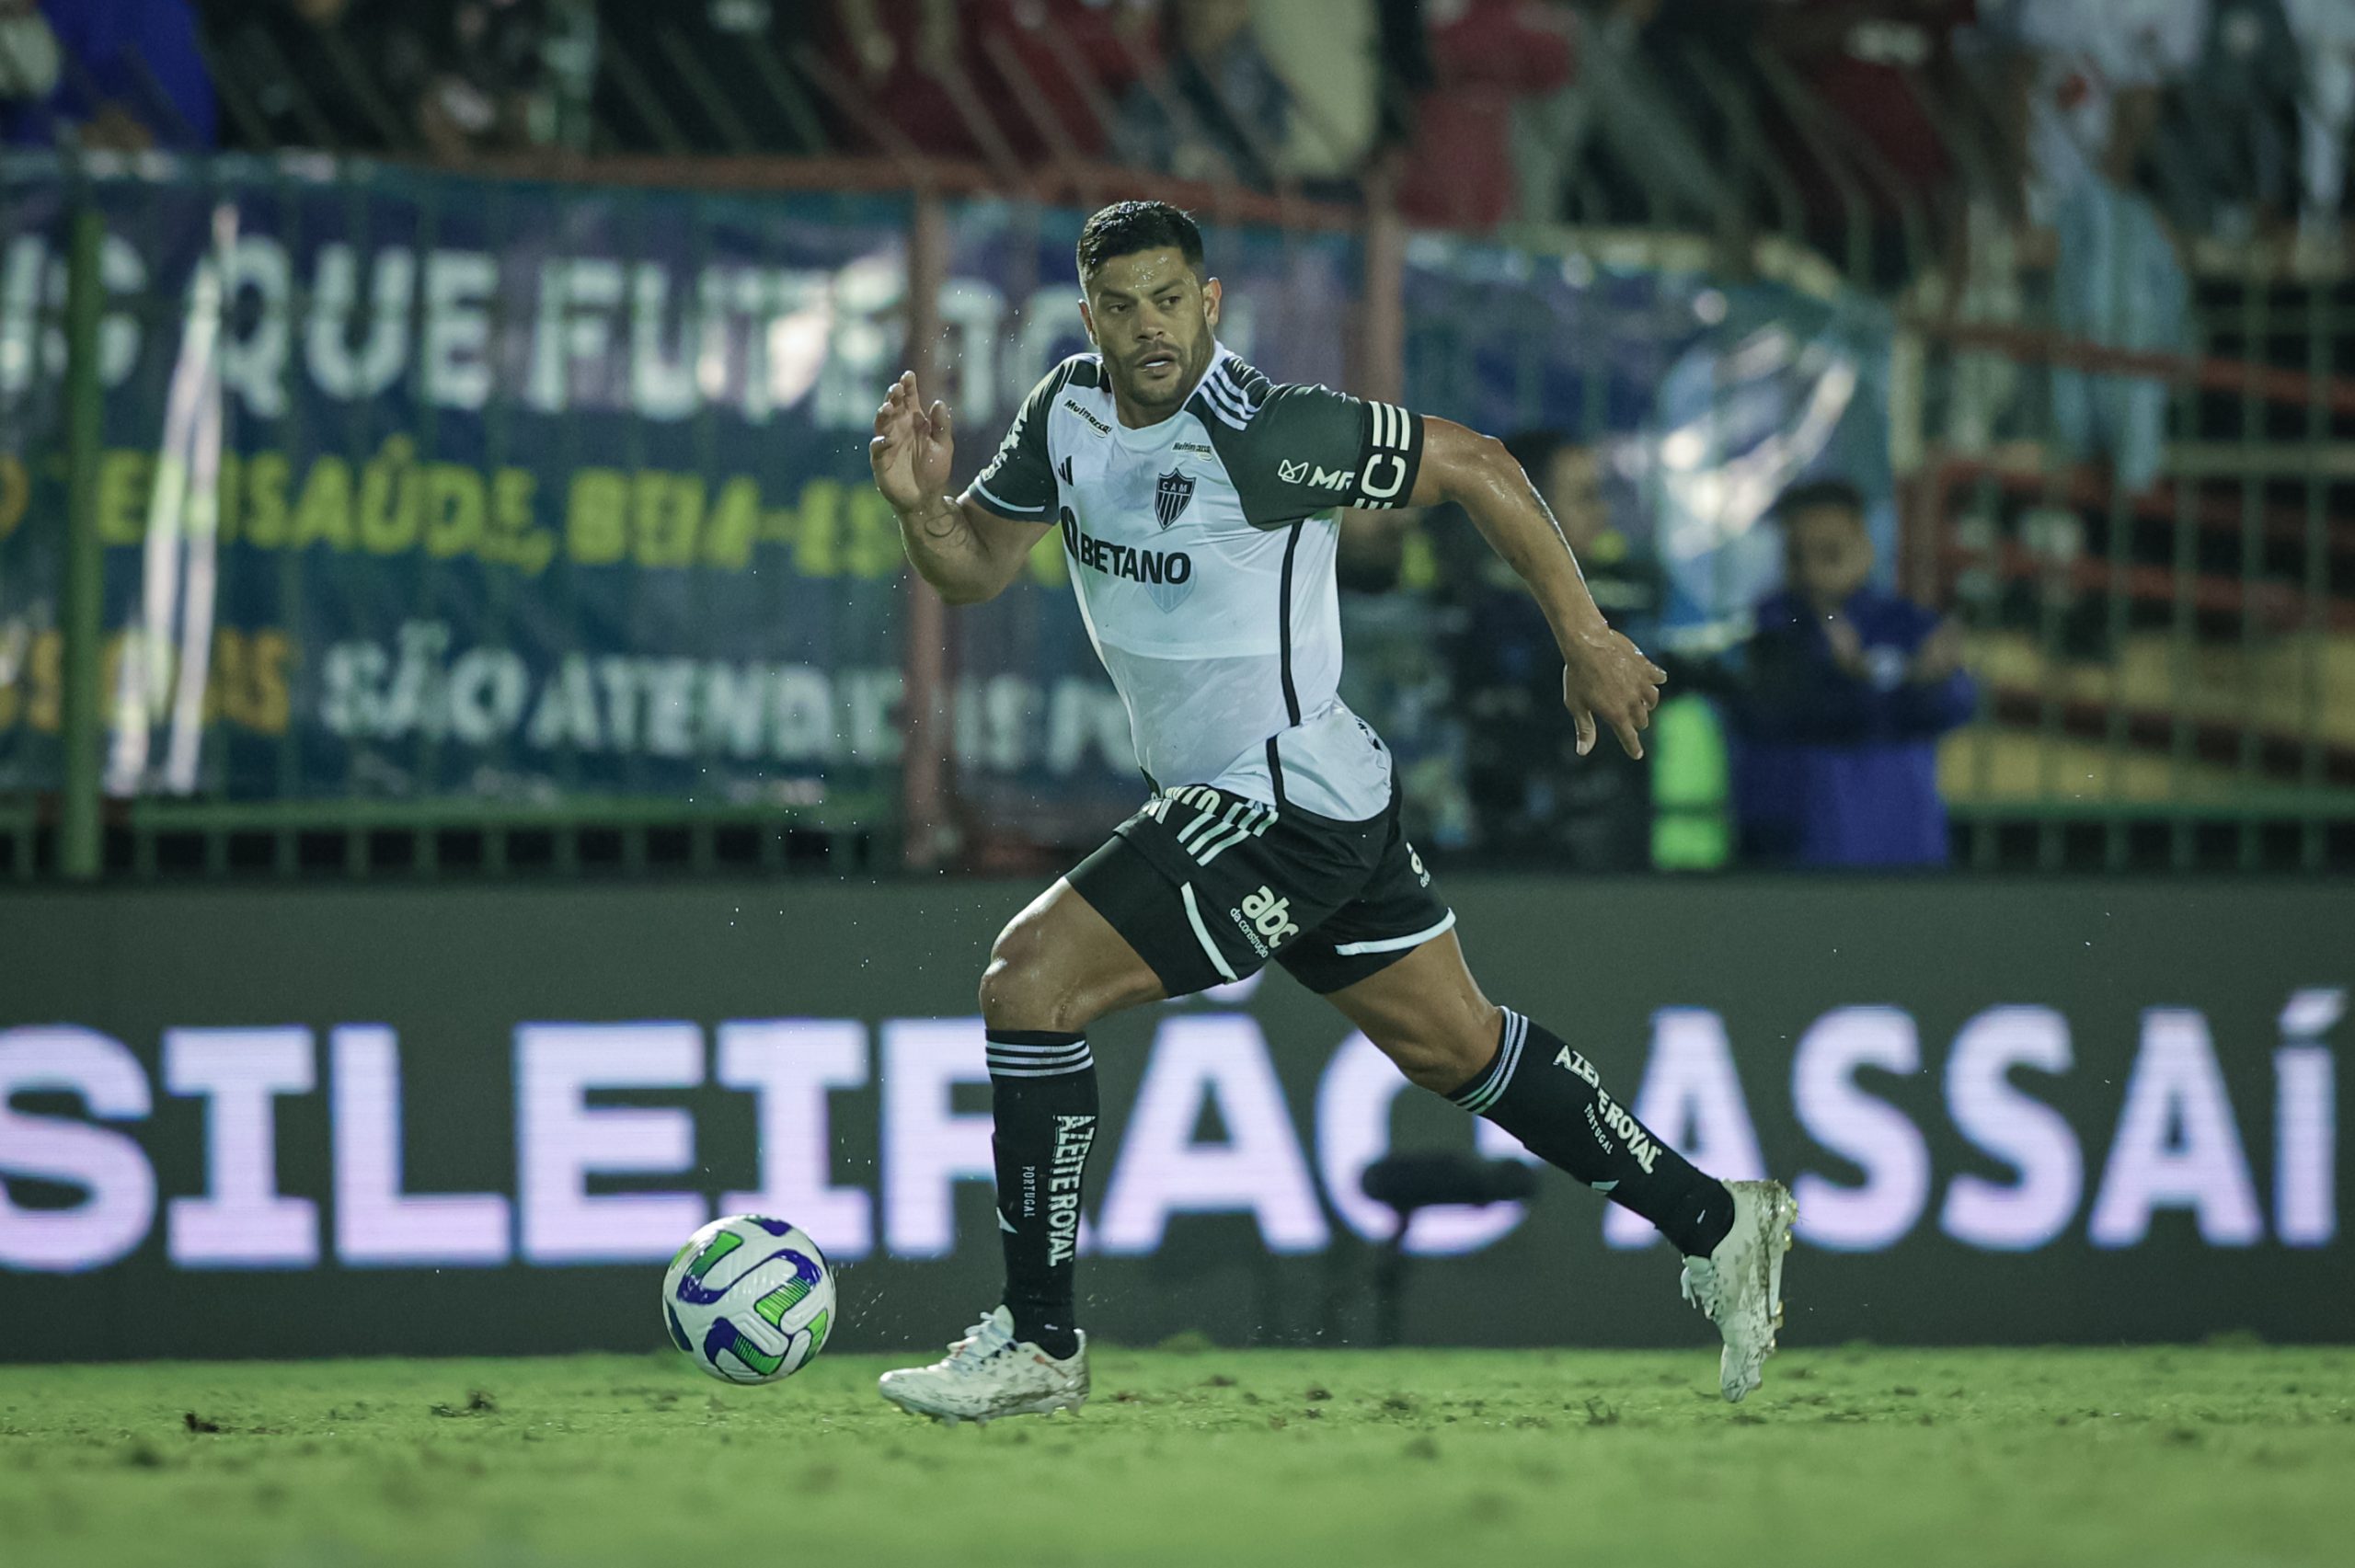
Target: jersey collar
column 1162, row 433
column 1220, row 356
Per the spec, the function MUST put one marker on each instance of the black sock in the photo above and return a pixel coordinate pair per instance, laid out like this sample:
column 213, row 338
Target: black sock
column 1042, row 1096
column 1552, row 1099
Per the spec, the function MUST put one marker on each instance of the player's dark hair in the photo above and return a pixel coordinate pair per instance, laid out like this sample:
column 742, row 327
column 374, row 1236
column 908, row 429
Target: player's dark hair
column 1809, row 494
column 1126, row 227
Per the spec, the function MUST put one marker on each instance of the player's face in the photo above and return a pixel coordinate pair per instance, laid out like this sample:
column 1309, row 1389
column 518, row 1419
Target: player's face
column 1153, row 322
column 1827, row 555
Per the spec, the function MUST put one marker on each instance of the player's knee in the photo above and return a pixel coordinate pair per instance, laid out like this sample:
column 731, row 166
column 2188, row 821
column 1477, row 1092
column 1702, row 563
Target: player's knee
column 1012, row 997
column 1021, row 989
column 1427, row 1070
column 1443, row 1057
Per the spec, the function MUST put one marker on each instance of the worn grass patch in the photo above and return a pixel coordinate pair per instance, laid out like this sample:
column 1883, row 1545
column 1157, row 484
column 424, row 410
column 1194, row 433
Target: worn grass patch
column 1985, row 1458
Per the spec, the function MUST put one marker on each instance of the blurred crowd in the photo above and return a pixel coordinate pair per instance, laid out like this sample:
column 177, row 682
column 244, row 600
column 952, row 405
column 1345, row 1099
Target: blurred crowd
column 2054, row 161
column 2229, row 115
column 2053, row 158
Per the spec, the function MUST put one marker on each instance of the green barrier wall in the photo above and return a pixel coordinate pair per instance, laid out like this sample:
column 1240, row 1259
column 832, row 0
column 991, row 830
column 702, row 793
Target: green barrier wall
column 353, row 1121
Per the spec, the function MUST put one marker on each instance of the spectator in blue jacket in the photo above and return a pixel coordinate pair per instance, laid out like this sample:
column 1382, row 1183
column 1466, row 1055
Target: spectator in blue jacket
column 1846, row 690
column 130, row 79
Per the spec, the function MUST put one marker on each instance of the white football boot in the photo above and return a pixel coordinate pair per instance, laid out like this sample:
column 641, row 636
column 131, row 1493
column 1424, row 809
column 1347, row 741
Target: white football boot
column 1740, row 1286
column 989, row 1373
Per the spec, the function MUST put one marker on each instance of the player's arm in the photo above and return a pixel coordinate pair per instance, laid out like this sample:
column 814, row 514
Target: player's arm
column 958, row 544
column 1604, row 676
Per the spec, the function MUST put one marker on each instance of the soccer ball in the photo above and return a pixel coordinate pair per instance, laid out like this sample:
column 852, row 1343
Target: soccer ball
column 750, row 1298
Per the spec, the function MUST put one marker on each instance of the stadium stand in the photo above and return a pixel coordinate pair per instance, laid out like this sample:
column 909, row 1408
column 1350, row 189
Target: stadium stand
column 2119, row 379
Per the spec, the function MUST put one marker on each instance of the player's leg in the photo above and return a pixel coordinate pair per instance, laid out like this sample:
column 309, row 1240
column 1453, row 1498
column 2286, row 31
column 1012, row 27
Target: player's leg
column 1056, row 968
column 1429, row 1016
column 1389, row 960
column 1170, row 904
column 1425, row 1012
column 1202, row 886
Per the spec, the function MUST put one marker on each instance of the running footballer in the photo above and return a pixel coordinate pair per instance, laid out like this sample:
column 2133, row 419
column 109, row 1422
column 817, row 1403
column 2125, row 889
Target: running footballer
column 1198, row 503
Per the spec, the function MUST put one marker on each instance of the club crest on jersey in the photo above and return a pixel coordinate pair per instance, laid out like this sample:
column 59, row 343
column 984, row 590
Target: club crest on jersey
column 1170, row 494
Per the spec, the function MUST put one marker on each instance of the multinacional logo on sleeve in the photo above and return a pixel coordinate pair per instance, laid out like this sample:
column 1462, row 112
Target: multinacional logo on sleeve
column 1170, row 494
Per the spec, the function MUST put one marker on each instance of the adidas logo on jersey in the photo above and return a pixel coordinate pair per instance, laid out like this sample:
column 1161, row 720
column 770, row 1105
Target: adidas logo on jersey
column 1265, row 919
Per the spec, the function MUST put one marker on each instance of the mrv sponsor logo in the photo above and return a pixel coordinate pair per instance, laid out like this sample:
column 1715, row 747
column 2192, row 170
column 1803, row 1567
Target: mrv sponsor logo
column 1314, row 478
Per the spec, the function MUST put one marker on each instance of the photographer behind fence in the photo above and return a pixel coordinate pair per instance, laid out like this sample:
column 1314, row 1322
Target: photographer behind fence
column 1531, row 792
column 1843, row 692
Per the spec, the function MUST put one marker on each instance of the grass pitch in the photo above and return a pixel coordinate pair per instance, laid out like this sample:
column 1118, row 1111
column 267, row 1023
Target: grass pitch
column 2217, row 1455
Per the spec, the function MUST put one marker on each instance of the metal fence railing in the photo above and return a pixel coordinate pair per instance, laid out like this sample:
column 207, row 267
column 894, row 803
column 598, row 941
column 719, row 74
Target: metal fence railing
column 2167, row 666
column 168, row 458
column 2168, row 660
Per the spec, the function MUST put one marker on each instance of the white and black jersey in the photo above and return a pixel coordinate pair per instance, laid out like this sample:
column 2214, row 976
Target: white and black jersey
column 1201, row 551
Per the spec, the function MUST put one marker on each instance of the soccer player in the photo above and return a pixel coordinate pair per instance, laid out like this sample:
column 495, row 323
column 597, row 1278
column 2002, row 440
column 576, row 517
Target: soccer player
column 1198, row 504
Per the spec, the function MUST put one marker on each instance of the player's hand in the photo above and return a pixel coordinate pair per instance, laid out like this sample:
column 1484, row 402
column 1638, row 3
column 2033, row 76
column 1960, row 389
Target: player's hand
column 1609, row 678
column 912, row 447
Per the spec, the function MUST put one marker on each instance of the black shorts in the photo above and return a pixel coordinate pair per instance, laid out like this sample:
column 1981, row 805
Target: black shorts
column 1208, row 886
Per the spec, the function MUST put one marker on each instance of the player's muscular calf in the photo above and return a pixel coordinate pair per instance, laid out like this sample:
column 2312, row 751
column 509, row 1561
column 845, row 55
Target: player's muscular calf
column 1427, row 1015
column 1060, row 966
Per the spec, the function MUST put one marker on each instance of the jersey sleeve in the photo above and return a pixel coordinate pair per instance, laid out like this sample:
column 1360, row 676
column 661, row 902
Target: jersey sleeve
column 1019, row 482
column 1310, row 449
